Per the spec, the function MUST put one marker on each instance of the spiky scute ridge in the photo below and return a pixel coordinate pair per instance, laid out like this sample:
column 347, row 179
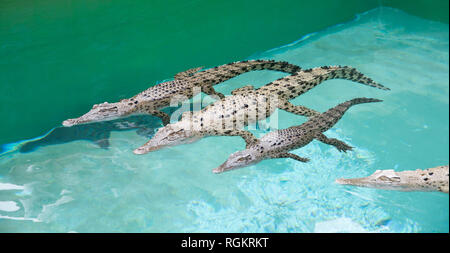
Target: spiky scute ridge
column 292, row 86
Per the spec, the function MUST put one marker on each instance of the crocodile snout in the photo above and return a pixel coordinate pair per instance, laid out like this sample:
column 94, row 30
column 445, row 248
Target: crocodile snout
column 68, row 123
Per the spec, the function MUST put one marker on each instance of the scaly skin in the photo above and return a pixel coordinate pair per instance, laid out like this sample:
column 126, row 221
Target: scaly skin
column 277, row 144
column 432, row 179
column 186, row 85
column 229, row 115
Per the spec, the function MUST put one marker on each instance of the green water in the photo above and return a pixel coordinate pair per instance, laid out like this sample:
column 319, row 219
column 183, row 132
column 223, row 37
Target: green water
column 58, row 57
column 70, row 184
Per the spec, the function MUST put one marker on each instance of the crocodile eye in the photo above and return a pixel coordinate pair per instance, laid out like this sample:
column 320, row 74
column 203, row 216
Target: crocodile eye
column 244, row 158
column 113, row 109
column 174, row 135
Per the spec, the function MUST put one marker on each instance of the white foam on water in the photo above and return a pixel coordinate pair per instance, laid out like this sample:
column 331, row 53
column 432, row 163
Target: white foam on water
column 8, row 186
column 8, row 206
column 340, row 225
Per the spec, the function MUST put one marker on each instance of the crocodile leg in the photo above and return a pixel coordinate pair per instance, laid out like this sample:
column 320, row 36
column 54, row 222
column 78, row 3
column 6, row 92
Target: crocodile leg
column 162, row 115
column 248, row 137
column 340, row 145
column 297, row 109
column 209, row 89
column 187, row 73
column 290, row 155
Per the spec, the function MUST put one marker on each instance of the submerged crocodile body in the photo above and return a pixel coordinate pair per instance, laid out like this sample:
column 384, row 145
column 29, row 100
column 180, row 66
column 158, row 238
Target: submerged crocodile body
column 186, row 85
column 277, row 144
column 98, row 132
column 432, row 179
column 229, row 115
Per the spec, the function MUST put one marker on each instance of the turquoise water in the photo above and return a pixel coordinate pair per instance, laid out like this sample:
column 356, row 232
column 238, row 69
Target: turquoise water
column 68, row 181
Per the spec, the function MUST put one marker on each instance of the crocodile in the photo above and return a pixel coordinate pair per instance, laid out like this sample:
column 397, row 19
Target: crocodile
column 185, row 85
column 432, row 179
column 227, row 117
column 277, row 144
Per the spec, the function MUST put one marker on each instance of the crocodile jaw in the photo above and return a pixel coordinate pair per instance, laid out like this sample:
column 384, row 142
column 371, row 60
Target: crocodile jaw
column 76, row 121
column 238, row 160
column 101, row 112
column 170, row 135
column 432, row 179
column 146, row 148
column 380, row 179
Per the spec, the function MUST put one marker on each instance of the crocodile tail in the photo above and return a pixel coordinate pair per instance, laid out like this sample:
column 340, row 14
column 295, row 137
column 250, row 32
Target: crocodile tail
column 356, row 101
column 224, row 72
column 281, row 66
column 343, row 107
column 333, row 115
column 345, row 72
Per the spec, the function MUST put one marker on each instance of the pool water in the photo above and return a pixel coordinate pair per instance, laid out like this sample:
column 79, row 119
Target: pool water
column 74, row 180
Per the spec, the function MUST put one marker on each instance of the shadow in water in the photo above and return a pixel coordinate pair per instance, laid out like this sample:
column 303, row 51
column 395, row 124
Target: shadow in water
column 98, row 132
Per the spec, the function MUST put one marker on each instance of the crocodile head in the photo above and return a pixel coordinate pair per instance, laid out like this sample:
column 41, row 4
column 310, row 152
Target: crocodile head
column 103, row 112
column 170, row 135
column 380, row 179
column 240, row 159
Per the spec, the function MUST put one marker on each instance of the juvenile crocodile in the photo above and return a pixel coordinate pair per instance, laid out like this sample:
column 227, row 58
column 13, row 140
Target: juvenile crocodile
column 186, row 85
column 229, row 115
column 277, row 144
column 432, row 179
